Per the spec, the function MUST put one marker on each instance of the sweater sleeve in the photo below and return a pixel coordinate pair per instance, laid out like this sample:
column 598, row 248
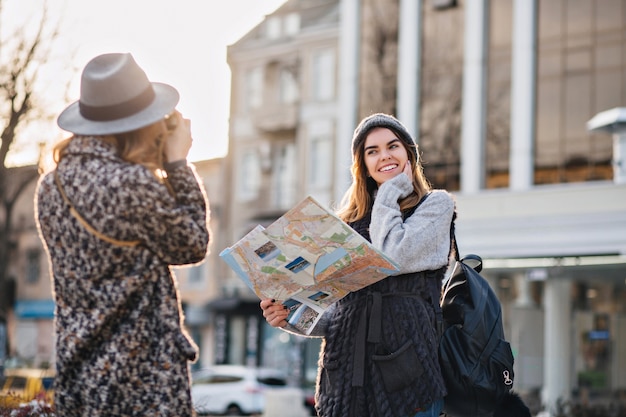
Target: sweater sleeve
column 422, row 241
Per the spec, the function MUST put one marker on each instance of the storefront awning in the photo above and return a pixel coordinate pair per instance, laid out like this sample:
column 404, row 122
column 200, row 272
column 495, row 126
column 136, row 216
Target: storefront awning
column 34, row 309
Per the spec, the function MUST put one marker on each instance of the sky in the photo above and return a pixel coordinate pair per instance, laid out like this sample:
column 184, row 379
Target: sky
column 179, row 42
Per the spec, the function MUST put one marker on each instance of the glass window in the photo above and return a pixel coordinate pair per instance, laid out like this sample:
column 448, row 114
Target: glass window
column 580, row 67
column 272, row 381
column 320, row 167
column 599, row 326
column 272, row 27
column 548, row 99
column 224, row 379
column 278, row 348
column 249, row 175
column 17, row 383
column 292, row 24
column 498, row 128
column 221, row 338
column 237, row 340
column 441, row 95
column 323, row 83
column 288, row 86
column 33, row 265
column 196, row 274
column 284, row 176
column 254, row 88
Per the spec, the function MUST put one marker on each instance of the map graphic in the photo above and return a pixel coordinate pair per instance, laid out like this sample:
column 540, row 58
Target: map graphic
column 307, row 259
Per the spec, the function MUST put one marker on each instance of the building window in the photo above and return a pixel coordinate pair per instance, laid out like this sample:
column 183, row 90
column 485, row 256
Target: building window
column 580, row 71
column 441, row 96
column 249, row 175
column 320, row 167
column 278, row 26
column 272, row 27
column 33, row 265
column 284, row 176
column 443, row 4
column 599, row 329
column 498, row 132
column 292, row 24
column 221, row 338
column 254, row 88
column 237, row 340
column 195, row 276
column 323, row 83
column 288, row 86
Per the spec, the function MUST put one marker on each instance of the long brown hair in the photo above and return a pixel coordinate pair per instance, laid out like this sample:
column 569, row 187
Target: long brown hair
column 359, row 198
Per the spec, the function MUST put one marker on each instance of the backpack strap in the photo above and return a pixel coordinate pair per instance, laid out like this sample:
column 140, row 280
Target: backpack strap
column 473, row 261
column 439, row 322
column 408, row 213
column 453, row 238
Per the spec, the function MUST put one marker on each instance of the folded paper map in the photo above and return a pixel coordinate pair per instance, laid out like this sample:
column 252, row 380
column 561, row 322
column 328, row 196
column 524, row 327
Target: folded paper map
column 307, row 259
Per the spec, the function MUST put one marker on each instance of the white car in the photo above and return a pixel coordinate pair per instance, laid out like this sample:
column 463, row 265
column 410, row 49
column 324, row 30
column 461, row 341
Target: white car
column 233, row 390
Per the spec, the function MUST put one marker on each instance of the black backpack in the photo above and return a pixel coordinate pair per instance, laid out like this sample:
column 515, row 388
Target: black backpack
column 476, row 360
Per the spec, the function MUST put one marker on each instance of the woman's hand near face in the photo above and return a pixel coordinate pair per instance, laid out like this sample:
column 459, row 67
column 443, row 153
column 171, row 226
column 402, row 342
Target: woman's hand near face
column 408, row 170
column 178, row 140
column 275, row 313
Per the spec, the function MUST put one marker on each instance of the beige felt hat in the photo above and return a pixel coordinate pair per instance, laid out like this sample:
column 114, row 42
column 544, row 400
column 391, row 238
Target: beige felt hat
column 116, row 97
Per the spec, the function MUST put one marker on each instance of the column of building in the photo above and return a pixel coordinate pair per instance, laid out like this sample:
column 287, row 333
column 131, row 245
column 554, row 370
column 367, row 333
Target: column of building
column 526, row 333
column 523, row 82
column 557, row 294
column 557, row 345
column 474, row 107
column 349, row 38
column 409, row 63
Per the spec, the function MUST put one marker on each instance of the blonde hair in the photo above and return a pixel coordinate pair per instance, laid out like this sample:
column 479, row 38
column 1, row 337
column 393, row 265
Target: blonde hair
column 143, row 146
column 359, row 198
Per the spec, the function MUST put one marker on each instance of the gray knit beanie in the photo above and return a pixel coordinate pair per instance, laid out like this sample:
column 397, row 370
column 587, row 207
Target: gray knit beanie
column 381, row 120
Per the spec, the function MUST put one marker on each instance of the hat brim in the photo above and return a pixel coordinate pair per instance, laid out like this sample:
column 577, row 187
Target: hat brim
column 165, row 101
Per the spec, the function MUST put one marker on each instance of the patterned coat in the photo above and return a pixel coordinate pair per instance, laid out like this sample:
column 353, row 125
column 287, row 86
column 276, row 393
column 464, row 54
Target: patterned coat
column 120, row 349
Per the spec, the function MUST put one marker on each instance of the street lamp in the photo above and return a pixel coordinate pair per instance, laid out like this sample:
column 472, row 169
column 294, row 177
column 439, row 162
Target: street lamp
column 613, row 121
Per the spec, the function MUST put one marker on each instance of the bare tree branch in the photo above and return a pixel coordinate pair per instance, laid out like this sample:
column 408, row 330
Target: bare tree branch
column 22, row 59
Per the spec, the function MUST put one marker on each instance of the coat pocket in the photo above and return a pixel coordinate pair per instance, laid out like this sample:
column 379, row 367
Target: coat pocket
column 400, row 368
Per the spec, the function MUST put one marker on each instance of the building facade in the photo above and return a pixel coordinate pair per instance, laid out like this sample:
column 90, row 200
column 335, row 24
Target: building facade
column 517, row 106
column 283, row 125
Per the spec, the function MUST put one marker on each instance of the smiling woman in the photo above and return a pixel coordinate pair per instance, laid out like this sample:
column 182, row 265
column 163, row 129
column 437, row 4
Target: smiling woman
column 184, row 42
column 385, row 157
column 379, row 354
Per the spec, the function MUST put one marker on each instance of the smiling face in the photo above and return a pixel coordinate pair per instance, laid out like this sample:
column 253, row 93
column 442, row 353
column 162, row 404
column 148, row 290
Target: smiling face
column 384, row 154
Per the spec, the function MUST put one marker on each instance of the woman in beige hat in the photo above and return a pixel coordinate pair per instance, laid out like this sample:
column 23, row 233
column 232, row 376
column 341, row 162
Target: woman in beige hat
column 121, row 207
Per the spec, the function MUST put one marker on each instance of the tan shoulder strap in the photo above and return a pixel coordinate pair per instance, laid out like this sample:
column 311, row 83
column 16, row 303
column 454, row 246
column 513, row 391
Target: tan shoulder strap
column 86, row 225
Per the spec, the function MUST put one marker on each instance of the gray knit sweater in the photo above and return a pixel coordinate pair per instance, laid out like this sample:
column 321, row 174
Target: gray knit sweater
column 379, row 355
